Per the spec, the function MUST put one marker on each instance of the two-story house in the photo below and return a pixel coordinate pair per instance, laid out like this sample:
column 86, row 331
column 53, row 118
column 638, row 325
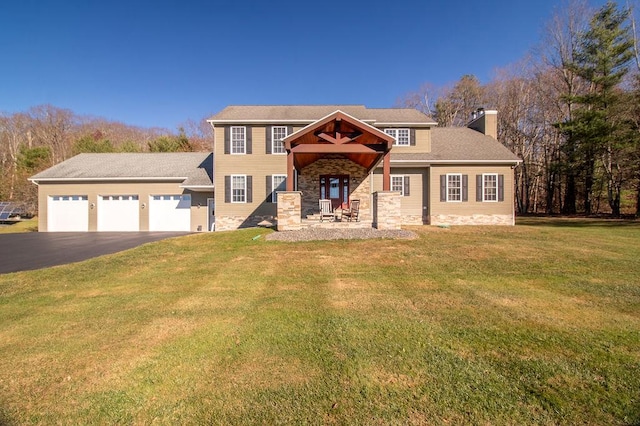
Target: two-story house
column 275, row 163
column 346, row 152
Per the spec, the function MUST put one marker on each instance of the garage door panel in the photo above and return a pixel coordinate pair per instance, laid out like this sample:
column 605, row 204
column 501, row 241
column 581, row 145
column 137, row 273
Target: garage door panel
column 68, row 213
column 118, row 213
column 170, row 212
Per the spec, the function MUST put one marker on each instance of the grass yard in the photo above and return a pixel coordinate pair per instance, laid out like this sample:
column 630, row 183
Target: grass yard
column 25, row 225
column 534, row 324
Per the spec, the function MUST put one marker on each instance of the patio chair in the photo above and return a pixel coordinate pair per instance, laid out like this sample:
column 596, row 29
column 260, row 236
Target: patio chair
column 325, row 210
column 352, row 211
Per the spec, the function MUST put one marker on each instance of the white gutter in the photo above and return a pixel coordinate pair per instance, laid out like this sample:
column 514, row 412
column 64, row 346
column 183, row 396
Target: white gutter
column 427, row 162
column 115, row 179
column 197, row 186
column 397, row 124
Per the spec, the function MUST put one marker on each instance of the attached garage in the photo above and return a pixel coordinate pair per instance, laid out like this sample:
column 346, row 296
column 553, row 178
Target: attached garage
column 118, row 213
column 120, row 192
column 170, row 212
column 68, row 213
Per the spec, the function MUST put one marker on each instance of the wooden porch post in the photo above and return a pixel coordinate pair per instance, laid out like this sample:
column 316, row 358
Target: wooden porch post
column 386, row 172
column 290, row 171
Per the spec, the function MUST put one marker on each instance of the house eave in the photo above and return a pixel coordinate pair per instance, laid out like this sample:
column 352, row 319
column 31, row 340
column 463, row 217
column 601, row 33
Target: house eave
column 198, row 188
column 109, row 179
column 409, row 163
column 403, row 124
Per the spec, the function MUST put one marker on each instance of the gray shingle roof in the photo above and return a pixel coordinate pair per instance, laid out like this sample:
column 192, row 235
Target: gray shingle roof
column 460, row 144
column 310, row 113
column 196, row 168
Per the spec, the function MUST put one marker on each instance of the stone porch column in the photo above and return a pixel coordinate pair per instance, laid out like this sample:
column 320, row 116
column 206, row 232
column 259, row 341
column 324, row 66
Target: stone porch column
column 289, row 210
column 387, row 210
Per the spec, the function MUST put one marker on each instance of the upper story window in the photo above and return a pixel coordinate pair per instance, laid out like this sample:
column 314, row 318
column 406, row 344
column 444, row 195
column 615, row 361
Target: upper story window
column 490, row 187
column 454, row 187
column 402, row 136
column 238, row 140
column 278, row 133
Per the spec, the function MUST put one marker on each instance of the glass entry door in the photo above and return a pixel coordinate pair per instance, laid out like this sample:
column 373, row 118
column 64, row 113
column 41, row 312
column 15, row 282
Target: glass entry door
column 334, row 188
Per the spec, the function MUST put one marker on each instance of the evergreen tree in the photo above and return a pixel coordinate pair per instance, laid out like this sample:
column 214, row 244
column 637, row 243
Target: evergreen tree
column 602, row 59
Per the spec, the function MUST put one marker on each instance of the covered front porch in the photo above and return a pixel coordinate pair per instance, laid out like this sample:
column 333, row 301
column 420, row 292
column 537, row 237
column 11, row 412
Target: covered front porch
column 331, row 159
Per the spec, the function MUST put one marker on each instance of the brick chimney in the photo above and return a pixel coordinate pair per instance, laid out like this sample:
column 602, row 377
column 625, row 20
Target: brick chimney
column 485, row 121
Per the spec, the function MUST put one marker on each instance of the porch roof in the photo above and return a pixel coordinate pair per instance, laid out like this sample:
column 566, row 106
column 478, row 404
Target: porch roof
column 342, row 134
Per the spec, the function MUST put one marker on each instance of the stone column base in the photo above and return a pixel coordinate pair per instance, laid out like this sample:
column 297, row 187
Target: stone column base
column 289, row 211
column 387, row 210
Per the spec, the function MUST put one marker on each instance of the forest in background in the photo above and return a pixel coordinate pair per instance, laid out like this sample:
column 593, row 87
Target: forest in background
column 45, row 135
column 570, row 110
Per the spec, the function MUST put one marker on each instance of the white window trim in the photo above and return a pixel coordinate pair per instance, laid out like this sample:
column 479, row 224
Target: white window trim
column 447, row 187
column 391, row 182
column 244, row 201
column 394, row 134
column 274, row 193
column 244, row 141
column 484, row 199
column 273, row 139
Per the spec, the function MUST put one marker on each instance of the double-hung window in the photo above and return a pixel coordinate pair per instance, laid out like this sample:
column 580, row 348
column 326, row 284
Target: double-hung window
column 490, row 187
column 238, row 189
column 400, row 135
column 397, row 184
column 238, row 140
column 278, row 133
column 278, row 183
column 454, row 187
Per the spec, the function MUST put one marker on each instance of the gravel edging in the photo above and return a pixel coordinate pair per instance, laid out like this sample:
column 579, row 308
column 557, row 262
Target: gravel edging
column 312, row 234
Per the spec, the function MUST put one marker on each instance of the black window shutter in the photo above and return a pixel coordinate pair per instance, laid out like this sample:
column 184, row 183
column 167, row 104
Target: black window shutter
column 500, row 187
column 269, row 190
column 465, row 187
column 227, row 189
column 289, row 130
column 268, row 138
column 412, row 137
column 248, row 139
column 249, row 189
column 479, row 188
column 443, row 187
column 227, row 140
column 406, row 186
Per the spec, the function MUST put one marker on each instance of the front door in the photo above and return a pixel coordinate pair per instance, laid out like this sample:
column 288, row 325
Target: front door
column 335, row 188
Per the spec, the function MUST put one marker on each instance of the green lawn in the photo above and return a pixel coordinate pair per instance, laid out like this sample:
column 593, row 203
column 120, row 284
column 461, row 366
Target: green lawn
column 533, row 324
column 25, row 225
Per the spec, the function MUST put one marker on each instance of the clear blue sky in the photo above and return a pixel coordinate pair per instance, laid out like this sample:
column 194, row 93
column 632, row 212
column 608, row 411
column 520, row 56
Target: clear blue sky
column 159, row 63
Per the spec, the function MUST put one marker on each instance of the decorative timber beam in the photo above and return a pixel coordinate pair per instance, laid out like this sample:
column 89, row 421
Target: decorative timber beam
column 333, row 149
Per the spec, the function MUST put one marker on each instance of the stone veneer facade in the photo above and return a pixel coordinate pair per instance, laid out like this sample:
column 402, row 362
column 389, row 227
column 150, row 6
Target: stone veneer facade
column 387, row 210
column 228, row 223
column 289, row 204
column 476, row 219
column 309, row 184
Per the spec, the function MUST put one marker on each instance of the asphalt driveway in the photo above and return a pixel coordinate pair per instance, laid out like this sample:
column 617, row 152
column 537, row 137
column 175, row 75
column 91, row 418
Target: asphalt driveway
column 35, row 250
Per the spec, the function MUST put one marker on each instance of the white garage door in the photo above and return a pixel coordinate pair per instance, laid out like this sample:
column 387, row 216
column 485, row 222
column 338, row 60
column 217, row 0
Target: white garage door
column 118, row 213
column 170, row 212
column 68, row 213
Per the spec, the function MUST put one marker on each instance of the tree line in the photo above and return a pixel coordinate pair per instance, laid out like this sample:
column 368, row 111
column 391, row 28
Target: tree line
column 45, row 135
column 570, row 110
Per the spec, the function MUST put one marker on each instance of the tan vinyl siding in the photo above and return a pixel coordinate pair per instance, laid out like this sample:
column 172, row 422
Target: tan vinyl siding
column 471, row 207
column 423, row 141
column 144, row 190
column 415, row 205
column 259, row 165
